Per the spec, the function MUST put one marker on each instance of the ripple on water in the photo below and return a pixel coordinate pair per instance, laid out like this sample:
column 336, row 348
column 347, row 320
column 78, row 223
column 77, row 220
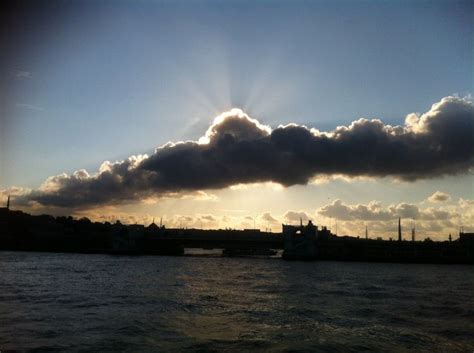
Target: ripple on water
column 73, row 302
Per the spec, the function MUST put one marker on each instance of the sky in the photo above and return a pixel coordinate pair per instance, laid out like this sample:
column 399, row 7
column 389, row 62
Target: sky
column 84, row 82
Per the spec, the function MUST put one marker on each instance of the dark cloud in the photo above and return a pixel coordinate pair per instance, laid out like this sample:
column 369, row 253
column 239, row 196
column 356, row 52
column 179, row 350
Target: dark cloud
column 237, row 149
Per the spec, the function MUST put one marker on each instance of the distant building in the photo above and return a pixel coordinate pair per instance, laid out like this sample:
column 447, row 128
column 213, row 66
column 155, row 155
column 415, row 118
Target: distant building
column 153, row 227
column 300, row 242
column 466, row 237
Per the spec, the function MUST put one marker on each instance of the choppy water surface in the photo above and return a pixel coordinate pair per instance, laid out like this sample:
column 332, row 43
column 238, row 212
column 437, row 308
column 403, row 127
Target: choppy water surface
column 72, row 302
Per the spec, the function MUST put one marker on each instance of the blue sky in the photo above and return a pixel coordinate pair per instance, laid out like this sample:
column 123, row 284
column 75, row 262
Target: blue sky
column 89, row 81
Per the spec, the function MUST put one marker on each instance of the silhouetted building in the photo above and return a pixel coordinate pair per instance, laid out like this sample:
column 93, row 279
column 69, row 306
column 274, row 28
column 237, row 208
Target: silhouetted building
column 466, row 237
column 299, row 242
column 23, row 232
column 153, row 227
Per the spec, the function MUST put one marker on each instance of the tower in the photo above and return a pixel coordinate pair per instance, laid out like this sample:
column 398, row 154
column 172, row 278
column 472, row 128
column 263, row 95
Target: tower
column 413, row 231
column 399, row 229
column 366, row 233
column 8, row 202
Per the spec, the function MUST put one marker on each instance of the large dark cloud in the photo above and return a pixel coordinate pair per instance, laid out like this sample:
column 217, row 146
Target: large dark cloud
column 237, row 149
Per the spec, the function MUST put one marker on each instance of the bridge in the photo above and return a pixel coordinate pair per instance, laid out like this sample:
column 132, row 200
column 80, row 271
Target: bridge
column 178, row 239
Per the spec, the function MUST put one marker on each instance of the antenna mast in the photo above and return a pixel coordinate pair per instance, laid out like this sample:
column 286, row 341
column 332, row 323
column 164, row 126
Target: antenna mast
column 399, row 229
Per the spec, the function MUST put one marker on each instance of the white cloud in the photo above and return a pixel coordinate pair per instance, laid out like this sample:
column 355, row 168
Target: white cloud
column 267, row 217
column 435, row 222
column 296, row 217
column 439, row 196
column 374, row 211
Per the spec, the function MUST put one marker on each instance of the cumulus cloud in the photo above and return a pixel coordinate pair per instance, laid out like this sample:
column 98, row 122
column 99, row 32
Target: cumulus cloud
column 374, row 211
column 296, row 217
column 435, row 222
column 237, row 149
column 337, row 209
column 14, row 191
column 439, row 196
column 464, row 203
column 381, row 221
column 267, row 217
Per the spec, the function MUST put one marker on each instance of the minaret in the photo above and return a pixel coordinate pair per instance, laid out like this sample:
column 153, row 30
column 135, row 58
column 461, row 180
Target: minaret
column 413, row 231
column 399, row 229
column 366, row 233
column 8, row 202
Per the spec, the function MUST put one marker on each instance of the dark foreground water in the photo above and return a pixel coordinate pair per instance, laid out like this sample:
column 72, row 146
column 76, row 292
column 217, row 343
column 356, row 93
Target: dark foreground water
column 69, row 302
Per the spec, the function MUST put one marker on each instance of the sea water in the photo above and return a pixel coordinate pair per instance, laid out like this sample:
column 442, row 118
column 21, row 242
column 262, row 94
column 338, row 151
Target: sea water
column 104, row 303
